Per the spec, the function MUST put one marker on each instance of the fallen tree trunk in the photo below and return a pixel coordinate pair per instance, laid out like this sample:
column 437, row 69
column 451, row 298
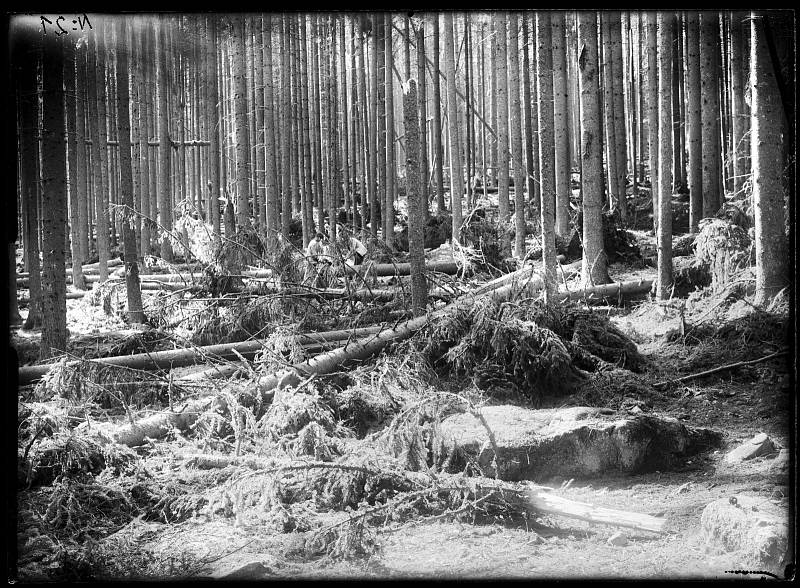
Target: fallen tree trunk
column 615, row 290
column 158, row 424
column 88, row 268
column 368, row 346
column 183, row 357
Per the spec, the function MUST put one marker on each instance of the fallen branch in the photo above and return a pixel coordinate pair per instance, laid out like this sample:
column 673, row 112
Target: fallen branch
column 718, row 369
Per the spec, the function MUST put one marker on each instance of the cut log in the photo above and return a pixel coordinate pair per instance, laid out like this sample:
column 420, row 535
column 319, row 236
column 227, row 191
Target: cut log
column 183, row 357
column 615, row 290
column 541, row 500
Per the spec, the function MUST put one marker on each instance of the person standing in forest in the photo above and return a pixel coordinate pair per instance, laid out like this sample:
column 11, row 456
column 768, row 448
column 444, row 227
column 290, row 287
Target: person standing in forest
column 318, row 258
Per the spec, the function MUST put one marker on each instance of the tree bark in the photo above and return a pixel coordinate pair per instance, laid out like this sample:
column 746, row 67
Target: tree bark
column 388, row 203
column 423, row 117
column 416, row 246
column 54, row 200
column 438, row 155
column 593, row 269
column 767, row 128
column 620, row 143
column 666, row 38
column 709, row 114
column 652, row 112
column 164, row 162
column 501, row 72
column 560, row 126
column 134, row 292
column 693, row 121
column 738, row 113
column 516, row 134
column 74, row 143
column 544, row 68
column 456, row 171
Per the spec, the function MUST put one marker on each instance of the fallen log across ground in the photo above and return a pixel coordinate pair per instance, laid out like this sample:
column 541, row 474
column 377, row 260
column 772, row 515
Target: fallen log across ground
column 89, row 268
column 159, row 424
column 615, row 290
column 183, row 357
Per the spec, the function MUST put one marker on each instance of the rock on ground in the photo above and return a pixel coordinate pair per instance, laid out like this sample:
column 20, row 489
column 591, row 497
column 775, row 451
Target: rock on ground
column 759, row 445
column 570, row 442
column 753, row 526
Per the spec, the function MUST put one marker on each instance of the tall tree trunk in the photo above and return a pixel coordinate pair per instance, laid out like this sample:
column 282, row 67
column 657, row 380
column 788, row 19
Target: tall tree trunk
column 347, row 162
column 560, row 126
column 29, row 178
column 144, row 137
column 273, row 219
column 766, row 123
column 54, row 200
column 609, row 129
column 693, row 120
column 374, row 217
column 260, row 214
column 620, row 143
column 213, row 121
column 531, row 118
column 82, row 201
column 75, row 143
column 97, row 93
column 438, row 154
column 501, row 72
column 306, row 110
column 456, row 171
column 423, row 117
column 709, row 91
column 286, row 131
column 241, row 124
column 516, row 134
column 666, row 38
column 134, row 292
column 164, row 147
column 368, row 192
column 547, row 148
column 738, row 114
column 416, row 246
column 593, row 269
column 652, row 112
column 379, row 54
column 388, row 204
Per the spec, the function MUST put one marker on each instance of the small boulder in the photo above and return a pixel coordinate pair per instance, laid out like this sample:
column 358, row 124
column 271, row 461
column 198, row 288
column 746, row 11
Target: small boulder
column 618, row 539
column 254, row 570
column 756, row 528
column 759, row 445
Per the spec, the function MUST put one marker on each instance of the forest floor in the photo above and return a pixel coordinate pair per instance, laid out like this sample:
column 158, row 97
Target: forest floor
column 739, row 403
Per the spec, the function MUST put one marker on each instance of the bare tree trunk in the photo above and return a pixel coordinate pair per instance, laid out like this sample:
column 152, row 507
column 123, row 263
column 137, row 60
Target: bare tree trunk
column 560, row 126
column 388, row 204
column 82, row 202
column 75, row 143
column 544, row 68
column 609, row 129
column 144, row 139
column 709, row 88
column 620, row 143
column 416, row 246
column 516, row 135
column 456, row 171
column 241, row 123
column 593, row 269
column 102, row 184
column 368, row 193
column 501, row 72
column 308, row 199
column 286, row 131
column 693, row 120
column 738, row 114
column 531, row 111
column 164, row 147
column 423, row 117
column 438, row 154
column 347, row 162
column 273, row 219
column 134, row 292
column 666, row 38
column 54, row 200
column 652, row 112
column 766, row 123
